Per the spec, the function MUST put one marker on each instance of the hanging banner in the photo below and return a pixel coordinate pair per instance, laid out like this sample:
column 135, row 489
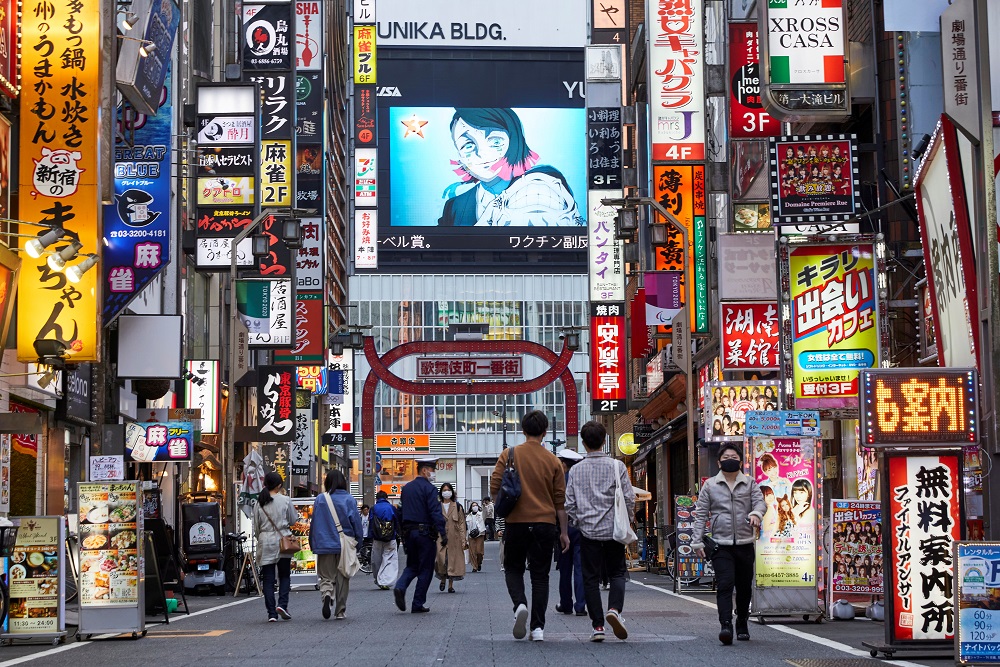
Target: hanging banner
column 608, row 359
column 747, row 117
column 727, row 404
column 856, row 534
column 607, row 263
column 302, row 447
column 265, row 307
column 835, row 312
column 59, row 175
column 750, row 339
column 364, row 54
column 663, row 296
column 922, row 506
column 814, row 179
column 785, row 470
column 676, row 79
column 365, row 238
column 275, row 404
column 314, row 379
column 201, row 392
column 978, row 577
column 309, row 344
column 641, row 343
column 266, row 37
column 137, row 226
column 681, row 190
column 308, row 36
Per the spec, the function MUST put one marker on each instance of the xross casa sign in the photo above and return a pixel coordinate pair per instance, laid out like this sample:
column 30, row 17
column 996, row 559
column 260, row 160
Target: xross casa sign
column 927, row 407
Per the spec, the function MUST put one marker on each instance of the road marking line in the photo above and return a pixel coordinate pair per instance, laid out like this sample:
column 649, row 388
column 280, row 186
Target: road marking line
column 822, row 641
column 170, row 635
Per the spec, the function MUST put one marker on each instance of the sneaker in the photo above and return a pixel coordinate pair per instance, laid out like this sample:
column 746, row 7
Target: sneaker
column 597, row 635
column 742, row 630
column 284, row 614
column 339, row 617
column 520, row 621
column 726, row 633
column 326, row 606
column 400, row 596
column 538, row 635
column 272, row 619
column 614, row 619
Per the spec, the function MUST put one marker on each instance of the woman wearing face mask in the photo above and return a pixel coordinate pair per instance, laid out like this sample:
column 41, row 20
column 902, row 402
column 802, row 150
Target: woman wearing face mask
column 450, row 566
column 735, row 505
column 476, row 527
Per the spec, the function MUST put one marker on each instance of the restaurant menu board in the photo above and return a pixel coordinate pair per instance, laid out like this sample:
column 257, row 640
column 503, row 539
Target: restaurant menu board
column 34, row 577
column 978, row 570
column 303, row 561
column 110, row 526
column 687, row 562
column 857, row 547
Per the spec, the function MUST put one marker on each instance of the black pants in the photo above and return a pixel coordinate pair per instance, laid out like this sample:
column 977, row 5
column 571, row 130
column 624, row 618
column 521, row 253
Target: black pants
column 420, row 553
column 607, row 556
column 529, row 543
column 491, row 529
column 733, row 569
column 283, row 570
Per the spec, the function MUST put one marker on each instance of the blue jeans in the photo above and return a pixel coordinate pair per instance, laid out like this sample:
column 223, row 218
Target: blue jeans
column 571, row 575
column 283, row 568
column 421, row 551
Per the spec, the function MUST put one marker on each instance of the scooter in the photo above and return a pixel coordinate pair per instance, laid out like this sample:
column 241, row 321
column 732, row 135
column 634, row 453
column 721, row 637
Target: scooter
column 201, row 527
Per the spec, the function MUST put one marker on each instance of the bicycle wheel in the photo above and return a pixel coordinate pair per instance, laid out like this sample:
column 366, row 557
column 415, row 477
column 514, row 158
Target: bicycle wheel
column 672, row 567
column 72, row 569
column 366, row 559
column 70, row 583
column 231, row 567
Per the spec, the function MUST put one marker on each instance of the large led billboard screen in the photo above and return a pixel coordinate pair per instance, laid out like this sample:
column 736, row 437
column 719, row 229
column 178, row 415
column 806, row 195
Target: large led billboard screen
column 482, row 152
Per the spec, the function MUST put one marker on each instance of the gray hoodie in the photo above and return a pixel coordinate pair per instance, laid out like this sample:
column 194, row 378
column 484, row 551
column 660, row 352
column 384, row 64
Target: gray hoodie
column 728, row 509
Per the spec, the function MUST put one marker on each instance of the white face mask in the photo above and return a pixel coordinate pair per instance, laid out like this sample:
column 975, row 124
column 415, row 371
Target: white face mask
column 475, row 510
column 446, row 495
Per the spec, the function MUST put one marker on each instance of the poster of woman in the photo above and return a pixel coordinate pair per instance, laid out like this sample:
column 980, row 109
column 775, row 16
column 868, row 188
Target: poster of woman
column 856, row 565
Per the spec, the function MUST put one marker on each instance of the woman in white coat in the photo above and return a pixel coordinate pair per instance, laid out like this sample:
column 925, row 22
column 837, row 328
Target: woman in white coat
column 476, row 531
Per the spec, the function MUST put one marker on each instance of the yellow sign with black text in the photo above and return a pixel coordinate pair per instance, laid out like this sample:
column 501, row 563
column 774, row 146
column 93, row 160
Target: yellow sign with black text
column 276, row 173
column 364, row 54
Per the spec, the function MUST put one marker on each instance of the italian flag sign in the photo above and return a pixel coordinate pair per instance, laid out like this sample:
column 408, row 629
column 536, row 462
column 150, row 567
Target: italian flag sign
column 806, row 41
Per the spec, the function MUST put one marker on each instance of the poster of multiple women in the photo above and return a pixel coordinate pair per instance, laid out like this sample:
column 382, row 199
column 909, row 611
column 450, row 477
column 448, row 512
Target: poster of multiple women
column 785, row 470
column 727, row 404
column 856, row 527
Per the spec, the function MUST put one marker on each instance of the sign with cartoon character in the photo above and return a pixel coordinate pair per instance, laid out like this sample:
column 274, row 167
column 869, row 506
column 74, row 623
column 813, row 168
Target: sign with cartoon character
column 267, row 37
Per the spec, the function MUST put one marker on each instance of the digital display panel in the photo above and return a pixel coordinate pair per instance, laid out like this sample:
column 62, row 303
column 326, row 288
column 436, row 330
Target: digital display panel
column 908, row 406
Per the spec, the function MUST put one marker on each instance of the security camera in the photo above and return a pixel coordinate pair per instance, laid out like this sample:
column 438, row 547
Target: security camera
column 562, row 336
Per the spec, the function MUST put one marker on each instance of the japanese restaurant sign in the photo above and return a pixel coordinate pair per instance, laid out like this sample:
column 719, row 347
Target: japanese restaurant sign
column 922, row 507
column 309, row 258
column 750, row 338
column 606, row 258
column 110, row 549
column 435, row 368
column 604, row 147
column 276, row 187
column 60, row 171
column 265, row 306
column 402, row 444
column 266, row 32
column 338, row 403
column 927, row 406
column 201, row 392
column 835, row 313
column 365, row 238
column 275, row 404
column 35, row 577
column 814, row 179
column 608, row 358
column 747, row 117
column 676, row 79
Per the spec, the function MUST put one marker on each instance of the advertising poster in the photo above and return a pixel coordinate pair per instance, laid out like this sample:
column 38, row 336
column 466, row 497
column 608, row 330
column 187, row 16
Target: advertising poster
column 276, row 404
column 726, row 405
column 267, row 37
column 814, row 179
column 314, row 379
column 608, row 357
column 922, row 502
column 680, row 189
column 856, row 534
column 35, row 576
column 834, row 322
column 303, row 561
column 978, row 597
column 265, row 307
column 137, row 226
column 784, row 468
column 163, row 442
column 750, row 336
column 798, row 423
column 747, row 117
column 749, row 217
column 688, row 564
column 225, row 191
column 110, row 555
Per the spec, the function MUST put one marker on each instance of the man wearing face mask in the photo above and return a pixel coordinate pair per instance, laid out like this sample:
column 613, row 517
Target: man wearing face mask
column 422, row 523
column 735, row 505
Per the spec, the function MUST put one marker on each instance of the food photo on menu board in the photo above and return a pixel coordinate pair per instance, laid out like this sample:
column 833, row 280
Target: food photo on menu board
column 34, row 577
column 109, row 552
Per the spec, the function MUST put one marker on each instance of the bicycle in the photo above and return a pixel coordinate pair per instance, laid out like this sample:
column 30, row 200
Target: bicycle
column 366, row 557
column 671, row 558
column 72, row 573
column 235, row 563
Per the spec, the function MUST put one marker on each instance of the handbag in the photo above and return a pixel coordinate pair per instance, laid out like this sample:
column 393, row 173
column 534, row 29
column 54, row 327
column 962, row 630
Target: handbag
column 288, row 544
column 349, row 562
column 623, row 533
column 474, row 533
column 510, row 488
column 711, row 546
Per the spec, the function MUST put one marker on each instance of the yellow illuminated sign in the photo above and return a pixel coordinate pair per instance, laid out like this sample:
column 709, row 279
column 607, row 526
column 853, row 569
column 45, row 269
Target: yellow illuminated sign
column 276, row 173
column 59, row 172
column 364, row 54
column 926, row 407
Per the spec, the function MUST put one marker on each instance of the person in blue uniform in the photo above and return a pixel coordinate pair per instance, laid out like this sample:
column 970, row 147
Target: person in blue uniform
column 422, row 522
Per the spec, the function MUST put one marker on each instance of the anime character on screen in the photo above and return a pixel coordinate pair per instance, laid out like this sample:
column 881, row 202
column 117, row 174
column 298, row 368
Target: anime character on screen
column 502, row 184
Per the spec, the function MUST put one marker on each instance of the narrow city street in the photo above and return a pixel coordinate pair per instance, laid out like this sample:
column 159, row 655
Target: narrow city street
column 470, row 627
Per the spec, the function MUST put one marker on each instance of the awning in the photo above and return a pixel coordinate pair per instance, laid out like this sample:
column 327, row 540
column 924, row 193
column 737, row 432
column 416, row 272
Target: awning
column 666, row 433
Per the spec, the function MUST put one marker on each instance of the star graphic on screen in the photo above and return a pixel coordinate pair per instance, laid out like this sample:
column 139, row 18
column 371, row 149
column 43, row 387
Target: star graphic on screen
column 414, row 126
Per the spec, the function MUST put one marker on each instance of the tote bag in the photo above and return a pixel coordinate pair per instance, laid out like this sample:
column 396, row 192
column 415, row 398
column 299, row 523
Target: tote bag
column 349, row 563
column 623, row 526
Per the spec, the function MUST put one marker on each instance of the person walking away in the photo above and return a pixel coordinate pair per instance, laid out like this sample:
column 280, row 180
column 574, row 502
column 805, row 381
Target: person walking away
column 272, row 517
column 531, row 530
column 489, row 517
column 590, row 504
column 568, row 563
column 324, row 538
column 383, row 531
column 450, row 561
column 735, row 505
column 501, row 529
column 476, row 534
column 422, row 522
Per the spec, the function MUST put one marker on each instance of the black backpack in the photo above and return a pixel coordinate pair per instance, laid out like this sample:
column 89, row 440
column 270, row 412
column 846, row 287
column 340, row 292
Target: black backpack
column 383, row 530
column 510, row 488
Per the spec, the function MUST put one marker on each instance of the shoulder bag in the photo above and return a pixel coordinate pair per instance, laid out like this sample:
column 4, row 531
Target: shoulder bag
column 349, row 562
column 288, row 544
column 623, row 533
column 510, row 488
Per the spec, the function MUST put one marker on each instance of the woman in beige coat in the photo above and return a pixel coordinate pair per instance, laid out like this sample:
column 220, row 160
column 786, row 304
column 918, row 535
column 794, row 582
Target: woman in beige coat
column 450, row 566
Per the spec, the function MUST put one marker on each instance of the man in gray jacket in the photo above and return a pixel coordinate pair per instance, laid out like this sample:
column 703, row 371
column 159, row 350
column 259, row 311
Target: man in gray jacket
column 736, row 506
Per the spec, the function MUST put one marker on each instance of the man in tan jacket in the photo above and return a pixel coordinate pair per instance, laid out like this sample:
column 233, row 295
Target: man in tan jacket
column 531, row 528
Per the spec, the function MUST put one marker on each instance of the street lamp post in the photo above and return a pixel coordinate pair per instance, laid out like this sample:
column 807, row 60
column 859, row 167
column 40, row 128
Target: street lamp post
column 555, row 441
column 503, row 418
